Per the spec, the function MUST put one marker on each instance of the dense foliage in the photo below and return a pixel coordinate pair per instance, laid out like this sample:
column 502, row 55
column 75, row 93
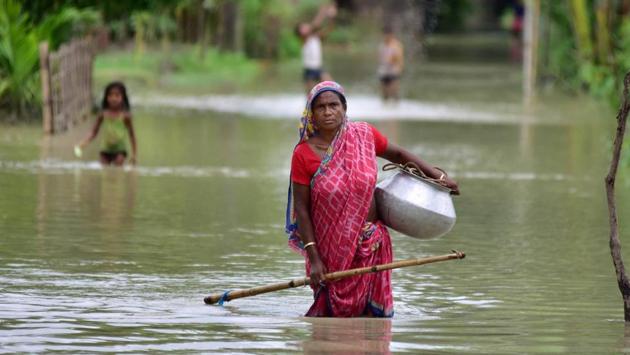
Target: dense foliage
column 19, row 49
column 586, row 45
column 253, row 28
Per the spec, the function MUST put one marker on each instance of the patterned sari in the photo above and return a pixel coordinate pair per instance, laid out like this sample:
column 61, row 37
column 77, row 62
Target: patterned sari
column 341, row 193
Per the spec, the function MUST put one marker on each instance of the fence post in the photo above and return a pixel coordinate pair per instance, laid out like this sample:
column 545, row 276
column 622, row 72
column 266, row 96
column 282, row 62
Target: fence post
column 530, row 43
column 44, row 70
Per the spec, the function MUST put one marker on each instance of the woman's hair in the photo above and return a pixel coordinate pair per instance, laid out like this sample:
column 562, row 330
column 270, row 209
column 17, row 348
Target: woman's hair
column 342, row 98
column 123, row 91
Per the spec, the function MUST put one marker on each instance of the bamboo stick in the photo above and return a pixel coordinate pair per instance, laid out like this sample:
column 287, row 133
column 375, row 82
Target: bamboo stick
column 231, row 295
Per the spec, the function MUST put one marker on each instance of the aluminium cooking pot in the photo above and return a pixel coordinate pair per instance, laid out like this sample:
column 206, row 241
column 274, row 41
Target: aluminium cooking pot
column 413, row 204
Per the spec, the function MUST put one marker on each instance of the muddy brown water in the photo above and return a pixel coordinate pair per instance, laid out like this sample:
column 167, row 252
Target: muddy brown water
column 102, row 259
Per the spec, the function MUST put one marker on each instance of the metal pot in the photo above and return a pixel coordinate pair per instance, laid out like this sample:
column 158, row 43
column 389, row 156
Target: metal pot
column 415, row 206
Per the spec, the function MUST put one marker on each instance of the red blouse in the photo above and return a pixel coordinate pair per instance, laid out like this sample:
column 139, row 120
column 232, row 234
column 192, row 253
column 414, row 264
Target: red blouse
column 305, row 161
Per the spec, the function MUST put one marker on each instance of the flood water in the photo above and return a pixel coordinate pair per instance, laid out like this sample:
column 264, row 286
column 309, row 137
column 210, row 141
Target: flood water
column 118, row 260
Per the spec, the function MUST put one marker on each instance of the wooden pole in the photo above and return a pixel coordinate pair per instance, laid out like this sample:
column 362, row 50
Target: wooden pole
column 615, row 244
column 231, row 295
column 530, row 44
column 44, row 73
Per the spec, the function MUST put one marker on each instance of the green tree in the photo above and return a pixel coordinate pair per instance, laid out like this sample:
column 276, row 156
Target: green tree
column 587, row 45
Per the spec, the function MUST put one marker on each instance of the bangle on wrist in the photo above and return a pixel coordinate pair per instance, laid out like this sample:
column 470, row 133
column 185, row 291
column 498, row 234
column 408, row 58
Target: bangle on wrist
column 442, row 173
column 308, row 245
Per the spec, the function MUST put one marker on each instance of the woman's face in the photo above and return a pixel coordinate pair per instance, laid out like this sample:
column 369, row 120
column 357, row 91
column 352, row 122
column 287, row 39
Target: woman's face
column 328, row 112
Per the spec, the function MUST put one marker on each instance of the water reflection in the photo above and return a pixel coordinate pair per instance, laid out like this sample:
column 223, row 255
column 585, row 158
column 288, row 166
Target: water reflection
column 624, row 343
column 348, row 336
column 103, row 199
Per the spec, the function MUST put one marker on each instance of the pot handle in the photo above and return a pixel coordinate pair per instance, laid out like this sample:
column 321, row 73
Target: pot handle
column 414, row 169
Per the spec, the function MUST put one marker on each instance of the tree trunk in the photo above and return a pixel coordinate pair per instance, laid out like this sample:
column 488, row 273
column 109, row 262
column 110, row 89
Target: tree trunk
column 139, row 38
column 603, row 32
column 238, row 29
column 229, row 13
column 582, row 29
column 615, row 243
column 201, row 31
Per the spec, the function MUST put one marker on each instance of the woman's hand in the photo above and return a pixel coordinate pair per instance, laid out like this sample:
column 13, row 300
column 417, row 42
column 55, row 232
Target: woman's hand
column 83, row 143
column 399, row 155
column 132, row 160
column 318, row 270
column 451, row 184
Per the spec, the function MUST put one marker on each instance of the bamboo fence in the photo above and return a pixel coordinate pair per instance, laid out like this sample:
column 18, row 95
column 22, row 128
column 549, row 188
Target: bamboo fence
column 66, row 84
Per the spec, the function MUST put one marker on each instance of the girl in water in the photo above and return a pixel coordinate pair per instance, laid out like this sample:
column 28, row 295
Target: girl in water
column 115, row 121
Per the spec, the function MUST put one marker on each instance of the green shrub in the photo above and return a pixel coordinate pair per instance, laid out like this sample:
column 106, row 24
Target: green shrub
column 182, row 69
column 19, row 49
column 289, row 46
column 19, row 58
column 601, row 78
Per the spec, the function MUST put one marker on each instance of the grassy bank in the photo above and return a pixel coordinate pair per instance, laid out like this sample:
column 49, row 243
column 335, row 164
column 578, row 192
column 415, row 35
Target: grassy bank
column 183, row 70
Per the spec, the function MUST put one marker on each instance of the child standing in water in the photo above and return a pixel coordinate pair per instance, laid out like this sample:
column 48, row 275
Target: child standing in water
column 391, row 63
column 115, row 122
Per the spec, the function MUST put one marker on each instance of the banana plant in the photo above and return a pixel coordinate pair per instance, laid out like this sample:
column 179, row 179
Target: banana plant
column 19, row 49
column 18, row 58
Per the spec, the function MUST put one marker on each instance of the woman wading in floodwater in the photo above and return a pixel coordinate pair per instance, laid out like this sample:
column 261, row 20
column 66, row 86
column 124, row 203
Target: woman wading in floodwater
column 332, row 220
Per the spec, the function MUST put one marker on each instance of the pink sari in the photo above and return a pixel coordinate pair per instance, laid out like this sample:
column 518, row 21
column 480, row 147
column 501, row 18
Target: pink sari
column 341, row 194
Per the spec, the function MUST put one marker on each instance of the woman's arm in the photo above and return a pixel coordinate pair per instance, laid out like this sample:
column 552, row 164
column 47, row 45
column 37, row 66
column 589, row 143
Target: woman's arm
column 302, row 207
column 399, row 155
column 94, row 132
column 132, row 138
